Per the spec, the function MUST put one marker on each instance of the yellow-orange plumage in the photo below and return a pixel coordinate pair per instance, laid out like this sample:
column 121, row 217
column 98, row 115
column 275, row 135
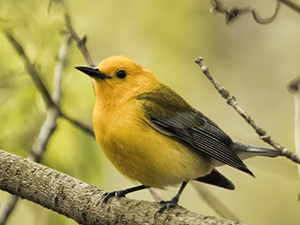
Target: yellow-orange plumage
column 153, row 136
column 128, row 139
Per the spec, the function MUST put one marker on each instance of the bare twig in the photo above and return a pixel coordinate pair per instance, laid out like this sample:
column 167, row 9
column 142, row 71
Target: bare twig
column 233, row 12
column 232, row 102
column 78, row 124
column 30, row 68
column 80, row 41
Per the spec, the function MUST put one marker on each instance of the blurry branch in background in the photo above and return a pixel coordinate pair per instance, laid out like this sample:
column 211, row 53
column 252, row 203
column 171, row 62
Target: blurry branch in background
column 231, row 13
column 53, row 110
column 214, row 202
column 79, row 41
column 31, row 70
column 81, row 202
column 293, row 88
column 232, row 102
column 291, row 4
column 53, row 113
column 7, row 208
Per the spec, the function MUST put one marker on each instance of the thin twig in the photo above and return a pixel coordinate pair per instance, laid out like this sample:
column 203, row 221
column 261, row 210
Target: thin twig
column 80, row 41
column 30, row 68
column 78, row 124
column 233, row 12
column 232, row 102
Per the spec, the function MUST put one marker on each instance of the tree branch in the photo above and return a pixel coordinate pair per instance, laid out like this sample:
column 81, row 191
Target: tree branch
column 7, row 208
column 80, row 201
column 31, row 70
column 233, row 12
column 80, row 41
column 291, row 4
column 49, row 125
column 233, row 103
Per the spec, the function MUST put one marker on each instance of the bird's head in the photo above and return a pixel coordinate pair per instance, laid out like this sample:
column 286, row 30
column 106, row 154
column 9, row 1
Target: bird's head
column 119, row 77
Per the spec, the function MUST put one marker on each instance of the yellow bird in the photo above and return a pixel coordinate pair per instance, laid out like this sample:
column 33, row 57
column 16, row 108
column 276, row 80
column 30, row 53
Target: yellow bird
column 153, row 136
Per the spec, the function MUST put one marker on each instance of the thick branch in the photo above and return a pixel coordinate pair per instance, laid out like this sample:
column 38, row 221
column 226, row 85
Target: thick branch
column 80, row 201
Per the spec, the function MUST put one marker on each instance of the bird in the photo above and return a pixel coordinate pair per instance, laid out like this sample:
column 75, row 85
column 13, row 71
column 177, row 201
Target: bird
column 154, row 137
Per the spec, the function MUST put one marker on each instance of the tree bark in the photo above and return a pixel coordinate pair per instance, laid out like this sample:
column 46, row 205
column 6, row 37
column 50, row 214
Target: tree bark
column 80, row 201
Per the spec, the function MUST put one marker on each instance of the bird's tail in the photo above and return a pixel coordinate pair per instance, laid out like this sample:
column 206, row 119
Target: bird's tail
column 246, row 151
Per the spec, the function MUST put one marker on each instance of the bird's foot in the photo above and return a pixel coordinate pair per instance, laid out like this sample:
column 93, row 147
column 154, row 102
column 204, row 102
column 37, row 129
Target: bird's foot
column 108, row 195
column 121, row 193
column 167, row 204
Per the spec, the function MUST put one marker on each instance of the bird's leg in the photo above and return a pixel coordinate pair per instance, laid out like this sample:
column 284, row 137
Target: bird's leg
column 173, row 202
column 121, row 193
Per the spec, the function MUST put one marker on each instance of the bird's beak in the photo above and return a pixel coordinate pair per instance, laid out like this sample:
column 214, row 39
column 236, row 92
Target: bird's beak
column 92, row 72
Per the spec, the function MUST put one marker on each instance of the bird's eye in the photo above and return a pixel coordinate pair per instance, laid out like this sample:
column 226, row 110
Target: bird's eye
column 121, row 74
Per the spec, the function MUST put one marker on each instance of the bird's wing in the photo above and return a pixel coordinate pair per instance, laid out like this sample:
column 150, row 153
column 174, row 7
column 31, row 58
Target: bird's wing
column 171, row 115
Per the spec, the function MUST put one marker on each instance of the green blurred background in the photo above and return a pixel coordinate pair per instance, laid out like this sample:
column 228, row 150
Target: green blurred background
column 255, row 62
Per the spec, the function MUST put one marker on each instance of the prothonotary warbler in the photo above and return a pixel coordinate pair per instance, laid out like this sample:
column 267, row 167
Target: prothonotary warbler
column 153, row 136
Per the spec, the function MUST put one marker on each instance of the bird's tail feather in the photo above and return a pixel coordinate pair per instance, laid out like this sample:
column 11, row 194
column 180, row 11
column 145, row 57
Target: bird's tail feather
column 217, row 179
column 246, row 151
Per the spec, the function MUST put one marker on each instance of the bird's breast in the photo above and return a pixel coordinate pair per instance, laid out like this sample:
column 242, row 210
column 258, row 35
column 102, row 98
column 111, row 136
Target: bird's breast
column 143, row 154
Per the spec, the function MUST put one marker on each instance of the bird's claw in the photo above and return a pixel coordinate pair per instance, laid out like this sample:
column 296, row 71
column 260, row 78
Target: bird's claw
column 108, row 195
column 166, row 205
